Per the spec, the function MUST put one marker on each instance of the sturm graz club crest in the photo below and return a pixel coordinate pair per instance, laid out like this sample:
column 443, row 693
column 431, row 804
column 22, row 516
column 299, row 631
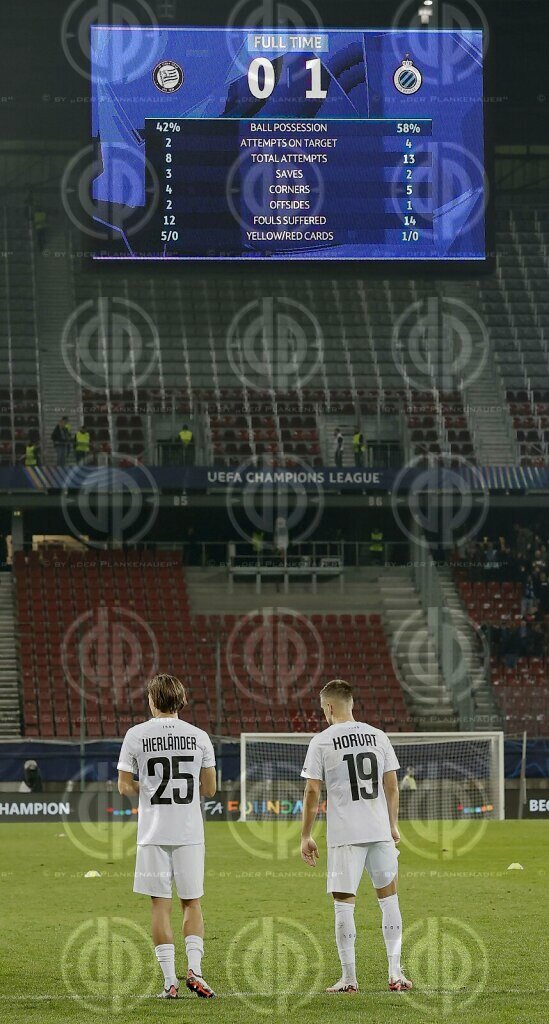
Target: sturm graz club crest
column 168, row 76
column 407, row 78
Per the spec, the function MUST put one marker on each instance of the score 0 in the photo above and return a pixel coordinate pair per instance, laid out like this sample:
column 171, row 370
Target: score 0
column 263, row 90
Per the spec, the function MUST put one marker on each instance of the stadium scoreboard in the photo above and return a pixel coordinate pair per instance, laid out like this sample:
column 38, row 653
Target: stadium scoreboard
column 231, row 144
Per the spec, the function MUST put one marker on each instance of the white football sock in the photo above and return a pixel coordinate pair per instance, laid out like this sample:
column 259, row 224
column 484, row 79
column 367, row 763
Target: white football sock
column 391, row 925
column 165, row 954
column 194, row 947
column 345, row 933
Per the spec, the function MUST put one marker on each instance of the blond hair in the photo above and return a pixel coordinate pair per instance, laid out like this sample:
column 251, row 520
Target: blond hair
column 167, row 693
column 339, row 689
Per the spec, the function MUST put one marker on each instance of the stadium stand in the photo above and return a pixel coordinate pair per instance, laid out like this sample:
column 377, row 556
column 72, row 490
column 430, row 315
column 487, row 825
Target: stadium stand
column 516, row 310
column 71, row 629
column 355, row 372
column 193, row 368
column 196, row 359
column 20, row 409
column 201, row 365
column 140, row 617
column 359, row 375
column 517, row 650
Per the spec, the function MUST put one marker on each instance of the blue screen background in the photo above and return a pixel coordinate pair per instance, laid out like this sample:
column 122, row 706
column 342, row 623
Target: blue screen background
column 360, row 68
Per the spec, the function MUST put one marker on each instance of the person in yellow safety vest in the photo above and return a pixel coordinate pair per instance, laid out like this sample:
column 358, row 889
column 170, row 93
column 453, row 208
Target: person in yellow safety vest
column 186, row 439
column 82, row 444
column 376, row 543
column 31, row 454
column 257, row 544
column 358, row 447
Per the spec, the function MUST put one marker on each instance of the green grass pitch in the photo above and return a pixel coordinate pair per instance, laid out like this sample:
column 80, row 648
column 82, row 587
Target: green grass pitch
column 78, row 950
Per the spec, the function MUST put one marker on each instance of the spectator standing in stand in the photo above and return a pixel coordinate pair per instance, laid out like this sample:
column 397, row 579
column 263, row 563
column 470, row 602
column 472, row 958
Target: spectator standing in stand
column 338, row 452
column 61, row 437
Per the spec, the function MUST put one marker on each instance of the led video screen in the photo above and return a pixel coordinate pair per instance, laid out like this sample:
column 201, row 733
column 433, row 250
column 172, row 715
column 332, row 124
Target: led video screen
column 231, row 144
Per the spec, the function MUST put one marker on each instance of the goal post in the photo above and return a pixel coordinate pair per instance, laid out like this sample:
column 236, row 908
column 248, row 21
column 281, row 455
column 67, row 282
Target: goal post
column 454, row 775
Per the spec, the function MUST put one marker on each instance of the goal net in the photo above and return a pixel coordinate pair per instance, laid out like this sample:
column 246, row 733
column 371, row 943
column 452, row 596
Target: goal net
column 442, row 775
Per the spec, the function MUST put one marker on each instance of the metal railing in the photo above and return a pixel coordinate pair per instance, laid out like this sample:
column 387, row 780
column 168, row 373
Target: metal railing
column 222, row 553
column 352, row 554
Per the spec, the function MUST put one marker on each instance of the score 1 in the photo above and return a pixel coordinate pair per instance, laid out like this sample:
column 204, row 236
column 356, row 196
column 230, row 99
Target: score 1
column 263, row 91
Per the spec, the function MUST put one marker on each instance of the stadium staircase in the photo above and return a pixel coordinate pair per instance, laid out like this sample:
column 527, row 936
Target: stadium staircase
column 483, row 396
column 489, row 418
column 59, row 390
column 414, row 655
column 10, row 715
column 486, row 714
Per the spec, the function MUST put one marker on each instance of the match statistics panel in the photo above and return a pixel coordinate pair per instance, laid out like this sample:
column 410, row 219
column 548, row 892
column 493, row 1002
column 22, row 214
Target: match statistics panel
column 338, row 145
column 213, row 203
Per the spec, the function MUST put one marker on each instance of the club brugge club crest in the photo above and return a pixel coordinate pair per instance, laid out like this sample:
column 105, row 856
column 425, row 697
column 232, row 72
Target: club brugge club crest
column 407, row 78
column 168, row 76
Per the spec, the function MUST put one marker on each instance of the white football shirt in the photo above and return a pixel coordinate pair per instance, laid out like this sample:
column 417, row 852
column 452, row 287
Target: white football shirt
column 351, row 759
column 168, row 755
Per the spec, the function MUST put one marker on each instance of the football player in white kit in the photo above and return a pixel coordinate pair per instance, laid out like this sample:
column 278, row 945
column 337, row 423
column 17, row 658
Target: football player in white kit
column 358, row 766
column 176, row 765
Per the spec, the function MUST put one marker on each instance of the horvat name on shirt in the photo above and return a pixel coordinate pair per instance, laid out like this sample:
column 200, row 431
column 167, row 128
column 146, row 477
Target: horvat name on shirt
column 169, row 742
column 354, row 739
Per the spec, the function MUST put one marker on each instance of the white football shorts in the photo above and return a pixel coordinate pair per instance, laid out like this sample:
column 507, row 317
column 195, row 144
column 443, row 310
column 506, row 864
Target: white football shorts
column 346, row 865
column 157, row 867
